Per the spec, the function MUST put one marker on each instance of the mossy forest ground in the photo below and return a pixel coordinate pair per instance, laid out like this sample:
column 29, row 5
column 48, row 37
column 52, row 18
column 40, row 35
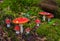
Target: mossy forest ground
column 47, row 31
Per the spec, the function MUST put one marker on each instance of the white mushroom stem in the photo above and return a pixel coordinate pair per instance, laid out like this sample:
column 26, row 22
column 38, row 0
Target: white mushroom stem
column 8, row 25
column 21, row 28
column 17, row 32
column 44, row 18
column 27, row 32
column 37, row 24
column 49, row 19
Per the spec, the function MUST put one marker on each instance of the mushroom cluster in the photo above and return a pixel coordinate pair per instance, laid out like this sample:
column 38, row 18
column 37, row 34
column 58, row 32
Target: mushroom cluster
column 20, row 21
column 46, row 14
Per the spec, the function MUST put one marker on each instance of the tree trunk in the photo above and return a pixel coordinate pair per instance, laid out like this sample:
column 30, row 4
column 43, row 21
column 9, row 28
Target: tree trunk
column 48, row 5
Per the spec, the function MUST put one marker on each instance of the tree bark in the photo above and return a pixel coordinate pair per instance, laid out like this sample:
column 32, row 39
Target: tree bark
column 48, row 5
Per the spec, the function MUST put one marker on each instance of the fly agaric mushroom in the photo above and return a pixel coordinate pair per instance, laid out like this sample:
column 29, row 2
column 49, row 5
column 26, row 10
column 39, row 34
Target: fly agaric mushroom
column 50, row 16
column 44, row 14
column 17, row 29
column 37, row 21
column 8, row 22
column 20, row 21
column 27, row 30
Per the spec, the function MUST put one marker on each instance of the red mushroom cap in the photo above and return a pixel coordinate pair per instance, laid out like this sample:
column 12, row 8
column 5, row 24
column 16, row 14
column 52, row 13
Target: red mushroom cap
column 7, row 21
column 27, row 29
column 17, row 28
column 20, row 20
column 50, row 16
column 44, row 13
column 37, row 21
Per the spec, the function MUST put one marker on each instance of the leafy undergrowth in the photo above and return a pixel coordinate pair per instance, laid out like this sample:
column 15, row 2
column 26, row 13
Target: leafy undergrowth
column 51, row 30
